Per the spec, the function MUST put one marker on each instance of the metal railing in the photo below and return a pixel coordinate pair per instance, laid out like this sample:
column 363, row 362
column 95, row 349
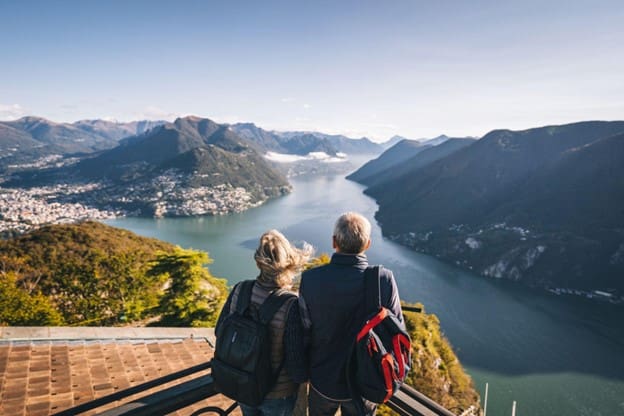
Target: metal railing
column 409, row 401
column 406, row 402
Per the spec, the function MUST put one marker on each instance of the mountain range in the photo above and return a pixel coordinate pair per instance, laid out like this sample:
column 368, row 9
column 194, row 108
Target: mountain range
column 212, row 153
column 29, row 138
column 116, row 131
column 544, row 205
column 399, row 157
column 192, row 166
column 35, row 140
column 427, row 155
column 302, row 143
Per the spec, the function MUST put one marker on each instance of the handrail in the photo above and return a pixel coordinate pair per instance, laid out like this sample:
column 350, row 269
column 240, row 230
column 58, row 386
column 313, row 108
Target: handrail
column 409, row 400
column 406, row 402
column 93, row 404
column 168, row 400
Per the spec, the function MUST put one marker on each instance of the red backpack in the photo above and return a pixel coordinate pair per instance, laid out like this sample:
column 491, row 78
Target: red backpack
column 381, row 354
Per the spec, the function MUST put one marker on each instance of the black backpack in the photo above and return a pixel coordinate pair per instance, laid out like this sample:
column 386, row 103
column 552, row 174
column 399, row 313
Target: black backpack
column 381, row 353
column 241, row 367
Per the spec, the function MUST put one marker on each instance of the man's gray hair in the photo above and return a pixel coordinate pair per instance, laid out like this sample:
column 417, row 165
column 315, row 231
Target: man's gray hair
column 352, row 233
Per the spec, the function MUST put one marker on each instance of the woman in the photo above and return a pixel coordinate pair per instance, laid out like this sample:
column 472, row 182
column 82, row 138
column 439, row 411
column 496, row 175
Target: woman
column 278, row 261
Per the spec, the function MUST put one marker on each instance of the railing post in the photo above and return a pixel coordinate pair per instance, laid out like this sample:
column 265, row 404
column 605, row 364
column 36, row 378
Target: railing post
column 486, row 398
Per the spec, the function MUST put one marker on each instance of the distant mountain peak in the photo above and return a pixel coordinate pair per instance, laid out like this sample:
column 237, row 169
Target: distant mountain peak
column 35, row 118
column 435, row 141
column 30, row 121
column 193, row 119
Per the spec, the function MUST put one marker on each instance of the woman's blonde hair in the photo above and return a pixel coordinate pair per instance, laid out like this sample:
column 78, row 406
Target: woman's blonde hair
column 278, row 260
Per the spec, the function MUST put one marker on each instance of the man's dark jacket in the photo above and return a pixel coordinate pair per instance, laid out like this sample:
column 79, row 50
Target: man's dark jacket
column 333, row 298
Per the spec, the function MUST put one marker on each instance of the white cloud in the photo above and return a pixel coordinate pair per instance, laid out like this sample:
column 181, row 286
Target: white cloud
column 11, row 111
column 287, row 99
column 317, row 156
column 283, row 158
column 306, row 106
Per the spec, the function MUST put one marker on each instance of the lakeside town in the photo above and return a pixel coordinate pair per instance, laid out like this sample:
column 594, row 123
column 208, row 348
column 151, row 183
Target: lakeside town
column 167, row 195
column 24, row 210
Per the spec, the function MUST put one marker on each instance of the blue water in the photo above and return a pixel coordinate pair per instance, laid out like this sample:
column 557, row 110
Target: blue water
column 552, row 355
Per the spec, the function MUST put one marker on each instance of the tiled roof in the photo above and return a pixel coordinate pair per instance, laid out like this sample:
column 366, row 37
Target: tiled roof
column 46, row 370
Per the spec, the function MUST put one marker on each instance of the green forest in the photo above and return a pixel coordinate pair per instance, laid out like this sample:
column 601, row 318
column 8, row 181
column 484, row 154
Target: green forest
column 92, row 274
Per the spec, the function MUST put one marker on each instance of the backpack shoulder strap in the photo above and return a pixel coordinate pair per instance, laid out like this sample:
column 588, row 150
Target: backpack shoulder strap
column 371, row 288
column 244, row 296
column 273, row 303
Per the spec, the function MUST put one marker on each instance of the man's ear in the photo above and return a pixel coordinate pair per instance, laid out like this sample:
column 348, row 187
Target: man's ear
column 334, row 245
column 368, row 244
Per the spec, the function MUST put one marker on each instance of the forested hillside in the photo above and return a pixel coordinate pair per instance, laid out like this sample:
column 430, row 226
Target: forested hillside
column 542, row 206
column 93, row 274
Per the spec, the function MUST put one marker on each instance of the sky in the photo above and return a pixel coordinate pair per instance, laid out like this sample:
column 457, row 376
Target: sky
column 361, row 68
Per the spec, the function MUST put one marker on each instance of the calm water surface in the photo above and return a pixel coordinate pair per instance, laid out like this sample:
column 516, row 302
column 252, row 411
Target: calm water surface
column 553, row 356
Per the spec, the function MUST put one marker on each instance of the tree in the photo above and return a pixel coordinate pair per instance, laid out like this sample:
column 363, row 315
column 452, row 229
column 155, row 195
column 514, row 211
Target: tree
column 18, row 307
column 192, row 296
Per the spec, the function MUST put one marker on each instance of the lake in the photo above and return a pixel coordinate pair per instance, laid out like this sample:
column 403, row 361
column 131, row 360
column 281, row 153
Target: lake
column 553, row 355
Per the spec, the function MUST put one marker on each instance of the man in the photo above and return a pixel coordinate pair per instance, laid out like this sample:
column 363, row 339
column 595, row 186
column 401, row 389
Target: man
column 333, row 303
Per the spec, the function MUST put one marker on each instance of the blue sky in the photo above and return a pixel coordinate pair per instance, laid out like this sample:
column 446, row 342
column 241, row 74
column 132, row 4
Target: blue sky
column 362, row 68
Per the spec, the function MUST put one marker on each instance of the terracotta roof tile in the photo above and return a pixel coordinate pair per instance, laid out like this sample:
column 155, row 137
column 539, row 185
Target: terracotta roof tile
column 46, row 376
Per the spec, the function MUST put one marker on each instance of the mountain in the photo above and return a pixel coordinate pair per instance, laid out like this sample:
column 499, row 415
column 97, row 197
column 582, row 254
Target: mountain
column 542, row 205
column 64, row 136
column 212, row 166
column 398, row 153
column 436, row 140
column 308, row 143
column 35, row 139
column 147, row 151
column 396, row 139
column 401, row 152
column 114, row 130
column 32, row 141
column 264, row 139
column 13, row 140
column 354, row 146
column 405, row 168
column 392, row 141
column 303, row 143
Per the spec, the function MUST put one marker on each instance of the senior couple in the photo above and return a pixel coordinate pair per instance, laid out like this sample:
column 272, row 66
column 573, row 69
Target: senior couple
column 312, row 335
